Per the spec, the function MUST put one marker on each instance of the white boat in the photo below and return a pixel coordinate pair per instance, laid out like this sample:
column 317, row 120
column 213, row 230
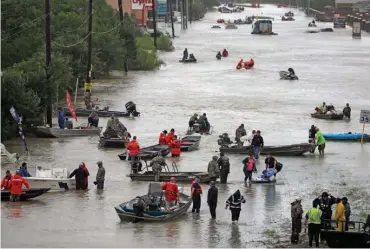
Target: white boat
column 7, row 157
column 56, row 179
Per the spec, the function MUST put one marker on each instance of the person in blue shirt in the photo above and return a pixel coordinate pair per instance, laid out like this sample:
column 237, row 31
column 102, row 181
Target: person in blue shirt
column 23, row 170
column 61, row 118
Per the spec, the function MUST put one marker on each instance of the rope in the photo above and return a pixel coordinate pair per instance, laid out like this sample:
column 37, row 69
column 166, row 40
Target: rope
column 72, row 45
column 106, row 32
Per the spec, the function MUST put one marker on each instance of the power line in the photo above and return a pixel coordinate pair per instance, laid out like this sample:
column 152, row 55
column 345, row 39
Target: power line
column 106, row 32
column 72, row 45
column 74, row 30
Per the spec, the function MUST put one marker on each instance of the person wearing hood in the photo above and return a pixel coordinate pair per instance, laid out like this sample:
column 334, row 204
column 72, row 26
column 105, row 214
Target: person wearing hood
column 15, row 186
column 235, row 204
column 296, row 214
column 225, row 53
column 23, row 170
column 257, row 143
column 100, row 176
column 5, row 183
column 80, row 174
column 212, row 197
column 61, row 118
column 240, row 132
column 196, row 191
column 162, row 137
column 249, row 167
column 88, row 173
column 193, row 120
column 213, row 169
column 340, row 217
column 224, row 164
column 347, row 211
column 320, row 141
column 93, row 119
column 218, row 56
column 325, row 203
column 347, row 111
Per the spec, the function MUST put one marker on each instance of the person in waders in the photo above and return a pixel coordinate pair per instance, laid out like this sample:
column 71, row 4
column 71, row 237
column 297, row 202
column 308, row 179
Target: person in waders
column 296, row 214
column 224, row 164
column 235, row 203
column 196, row 191
column 212, row 199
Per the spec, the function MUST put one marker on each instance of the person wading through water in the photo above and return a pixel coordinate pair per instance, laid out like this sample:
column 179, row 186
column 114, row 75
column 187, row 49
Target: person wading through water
column 212, row 199
column 296, row 214
column 196, row 191
column 15, row 186
column 314, row 217
column 249, row 167
column 213, row 169
column 100, row 176
column 79, row 175
column 224, row 164
column 235, row 203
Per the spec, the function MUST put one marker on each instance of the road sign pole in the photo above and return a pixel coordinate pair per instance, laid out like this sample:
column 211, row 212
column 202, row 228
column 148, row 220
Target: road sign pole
column 364, row 119
column 362, row 136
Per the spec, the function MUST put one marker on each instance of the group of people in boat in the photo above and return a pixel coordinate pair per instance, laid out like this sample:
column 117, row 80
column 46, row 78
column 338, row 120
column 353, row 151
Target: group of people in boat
column 199, row 124
column 224, row 53
column 312, row 24
column 246, row 64
column 186, row 56
column 116, row 129
column 319, row 217
column 329, row 109
column 172, row 141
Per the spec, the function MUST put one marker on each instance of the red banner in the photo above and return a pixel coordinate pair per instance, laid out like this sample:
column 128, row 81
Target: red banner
column 70, row 106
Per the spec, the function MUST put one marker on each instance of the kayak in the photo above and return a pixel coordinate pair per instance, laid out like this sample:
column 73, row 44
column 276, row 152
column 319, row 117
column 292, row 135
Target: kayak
column 346, row 136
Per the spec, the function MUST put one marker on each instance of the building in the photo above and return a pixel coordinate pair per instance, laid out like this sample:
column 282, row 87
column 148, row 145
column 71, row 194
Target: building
column 137, row 8
column 345, row 4
column 363, row 6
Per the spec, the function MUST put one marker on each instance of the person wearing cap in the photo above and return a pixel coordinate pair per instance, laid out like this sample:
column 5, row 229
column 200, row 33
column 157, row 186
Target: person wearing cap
column 100, row 176
column 171, row 193
column 169, row 136
column 213, row 169
column 240, row 132
column 212, row 197
column 224, row 164
column 320, row 141
column 192, row 121
column 347, row 211
column 133, row 147
column 296, row 215
column 23, row 170
column 162, row 137
column 80, row 173
column 314, row 218
column 257, row 144
column 15, row 186
column 175, row 146
column 325, row 202
column 196, row 191
column 5, row 183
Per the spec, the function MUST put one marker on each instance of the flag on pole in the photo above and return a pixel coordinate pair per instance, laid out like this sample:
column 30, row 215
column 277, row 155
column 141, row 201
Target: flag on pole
column 18, row 119
column 70, row 106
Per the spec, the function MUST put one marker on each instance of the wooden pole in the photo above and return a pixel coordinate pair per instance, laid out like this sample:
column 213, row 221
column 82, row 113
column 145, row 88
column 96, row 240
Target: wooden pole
column 49, row 108
column 89, row 53
column 121, row 19
column 154, row 11
column 191, row 11
column 76, row 91
column 171, row 15
column 363, row 131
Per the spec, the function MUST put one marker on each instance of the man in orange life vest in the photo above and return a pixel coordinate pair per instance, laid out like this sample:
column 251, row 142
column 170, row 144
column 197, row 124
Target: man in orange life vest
column 169, row 136
column 162, row 137
column 16, row 184
column 133, row 147
column 5, row 183
column 196, row 191
column 171, row 193
column 175, row 147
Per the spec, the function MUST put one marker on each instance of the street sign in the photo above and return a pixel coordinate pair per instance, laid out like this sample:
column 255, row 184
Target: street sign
column 365, row 117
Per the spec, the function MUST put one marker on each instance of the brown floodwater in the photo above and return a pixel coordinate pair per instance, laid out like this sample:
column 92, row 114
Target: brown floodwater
column 332, row 67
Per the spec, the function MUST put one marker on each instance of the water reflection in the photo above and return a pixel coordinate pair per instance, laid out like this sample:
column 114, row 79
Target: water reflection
column 14, row 210
column 234, row 240
column 172, row 230
column 214, row 237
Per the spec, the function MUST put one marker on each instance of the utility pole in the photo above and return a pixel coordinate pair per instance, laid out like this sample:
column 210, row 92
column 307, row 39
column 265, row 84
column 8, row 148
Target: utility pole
column 171, row 16
column 49, row 108
column 88, row 85
column 121, row 19
column 191, row 11
column 154, row 12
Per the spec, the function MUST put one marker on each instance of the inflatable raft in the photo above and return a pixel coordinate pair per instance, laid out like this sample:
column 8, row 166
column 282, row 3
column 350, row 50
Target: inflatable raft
column 346, row 136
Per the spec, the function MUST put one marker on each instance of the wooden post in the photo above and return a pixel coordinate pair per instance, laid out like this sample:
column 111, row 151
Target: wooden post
column 171, row 15
column 89, row 53
column 121, row 19
column 154, row 11
column 49, row 108
column 363, row 131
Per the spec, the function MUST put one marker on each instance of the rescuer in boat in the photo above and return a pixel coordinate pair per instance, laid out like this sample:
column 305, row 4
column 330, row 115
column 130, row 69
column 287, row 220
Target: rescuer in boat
column 23, row 170
column 169, row 137
column 15, row 186
column 133, row 147
column 224, row 164
column 235, row 203
column 330, row 108
column 314, row 219
column 249, row 167
column 340, row 217
column 61, row 118
column 224, row 140
column 225, row 53
column 157, row 164
column 100, row 176
column 347, row 211
column 240, row 132
column 162, row 137
column 325, row 203
column 257, row 143
column 5, row 183
column 110, row 122
column 110, row 133
column 79, row 175
column 136, row 165
column 171, row 193
column 291, row 72
column 296, row 214
column 311, row 137
column 185, row 54
column 192, row 121
column 320, row 141
column 93, row 119
column 213, row 169
column 196, row 191
column 347, row 111
column 240, row 64
column 175, row 146
column 218, row 55
column 212, row 197
column 192, row 58
column 203, row 123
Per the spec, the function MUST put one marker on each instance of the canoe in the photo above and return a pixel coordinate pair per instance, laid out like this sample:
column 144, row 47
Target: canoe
column 150, row 152
column 26, row 194
column 112, row 142
column 47, row 132
column 338, row 116
column 188, row 61
column 190, row 143
column 185, row 177
column 83, row 112
column 284, row 75
column 282, row 150
column 346, row 137
column 154, row 207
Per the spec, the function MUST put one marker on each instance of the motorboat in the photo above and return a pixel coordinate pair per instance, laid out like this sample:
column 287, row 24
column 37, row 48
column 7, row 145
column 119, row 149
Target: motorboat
column 350, row 137
column 26, row 194
column 289, row 14
column 199, row 130
column 327, row 30
column 312, row 24
column 331, row 116
column 149, row 153
column 188, row 61
column 54, row 179
column 190, row 143
column 284, row 75
column 53, row 132
column 113, row 142
column 289, row 18
column 279, row 150
column 7, row 157
column 152, row 206
column 105, row 112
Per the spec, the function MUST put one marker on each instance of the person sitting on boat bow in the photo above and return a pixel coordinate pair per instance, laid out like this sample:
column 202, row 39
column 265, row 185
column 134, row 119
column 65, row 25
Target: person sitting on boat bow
column 240, row 132
column 133, row 147
column 171, row 193
column 218, row 55
column 93, row 119
column 162, row 137
column 5, row 183
column 225, row 53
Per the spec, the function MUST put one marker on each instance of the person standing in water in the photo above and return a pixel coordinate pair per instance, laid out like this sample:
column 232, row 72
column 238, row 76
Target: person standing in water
column 196, row 191
column 15, row 186
column 313, row 217
column 213, row 169
column 79, row 175
column 320, row 141
column 296, row 214
column 249, row 166
column 224, row 164
column 100, row 176
column 347, row 111
column 212, row 199
column 347, row 211
column 235, row 203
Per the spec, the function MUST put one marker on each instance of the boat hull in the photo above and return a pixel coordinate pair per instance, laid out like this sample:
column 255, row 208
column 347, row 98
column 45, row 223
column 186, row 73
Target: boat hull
column 204, row 177
column 350, row 239
column 328, row 116
column 82, row 112
column 148, row 153
column 26, row 194
column 188, row 61
column 345, row 137
column 47, row 132
column 286, row 150
column 190, row 143
column 54, row 184
column 112, row 142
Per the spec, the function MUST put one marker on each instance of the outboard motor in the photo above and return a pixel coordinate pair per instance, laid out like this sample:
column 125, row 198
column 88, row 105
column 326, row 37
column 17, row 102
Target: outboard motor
column 131, row 108
column 367, row 224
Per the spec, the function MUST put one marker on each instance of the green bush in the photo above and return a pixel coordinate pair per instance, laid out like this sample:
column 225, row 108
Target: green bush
column 146, row 57
column 164, row 43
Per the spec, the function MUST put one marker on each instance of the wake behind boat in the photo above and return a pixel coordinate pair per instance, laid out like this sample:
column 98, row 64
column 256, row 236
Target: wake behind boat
column 26, row 194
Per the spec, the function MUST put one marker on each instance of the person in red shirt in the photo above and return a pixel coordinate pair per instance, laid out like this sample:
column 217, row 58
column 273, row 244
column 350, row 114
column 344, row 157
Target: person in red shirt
column 5, row 183
column 15, row 186
column 175, row 147
column 196, row 191
column 169, row 136
column 162, row 137
column 171, row 193
column 83, row 165
column 225, row 53
column 133, row 147
column 249, row 64
column 240, row 64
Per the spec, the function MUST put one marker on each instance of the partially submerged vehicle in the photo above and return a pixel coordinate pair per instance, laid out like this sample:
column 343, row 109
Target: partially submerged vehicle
column 280, row 150
column 152, row 206
column 26, row 194
column 149, row 153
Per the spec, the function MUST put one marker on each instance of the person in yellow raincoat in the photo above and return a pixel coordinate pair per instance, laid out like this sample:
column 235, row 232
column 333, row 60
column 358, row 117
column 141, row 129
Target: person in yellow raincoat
column 339, row 215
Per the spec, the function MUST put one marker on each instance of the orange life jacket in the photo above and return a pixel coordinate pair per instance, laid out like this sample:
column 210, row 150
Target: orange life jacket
column 5, row 183
column 16, row 184
column 175, row 147
column 171, row 191
column 133, row 147
column 198, row 190
column 240, row 64
column 162, row 139
column 169, row 138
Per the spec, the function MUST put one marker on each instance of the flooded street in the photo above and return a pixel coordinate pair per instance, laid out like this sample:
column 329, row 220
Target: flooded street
column 331, row 67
